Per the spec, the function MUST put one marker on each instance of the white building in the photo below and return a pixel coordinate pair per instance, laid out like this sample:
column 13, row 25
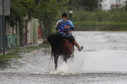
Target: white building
column 109, row 4
column 104, row 4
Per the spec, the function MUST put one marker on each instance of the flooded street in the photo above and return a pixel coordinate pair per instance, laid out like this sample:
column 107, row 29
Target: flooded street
column 102, row 61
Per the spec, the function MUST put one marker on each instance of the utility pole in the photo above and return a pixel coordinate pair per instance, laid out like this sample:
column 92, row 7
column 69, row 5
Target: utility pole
column 98, row 3
column 3, row 25
column 117, row 6
column 119, row 3
column 1, row 34
column 70, row 12
column 4, row 10
column 126, row 5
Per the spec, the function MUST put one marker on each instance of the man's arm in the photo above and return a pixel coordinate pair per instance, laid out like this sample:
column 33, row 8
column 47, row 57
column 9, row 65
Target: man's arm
column 57, row 26
column 71, row 25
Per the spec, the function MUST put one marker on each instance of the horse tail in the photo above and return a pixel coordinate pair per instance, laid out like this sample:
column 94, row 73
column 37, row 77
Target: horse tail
column 56, row 42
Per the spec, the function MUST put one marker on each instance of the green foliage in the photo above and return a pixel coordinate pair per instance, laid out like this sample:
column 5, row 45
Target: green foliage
column 100, row 20
column 50, row 12
column 125, row 6
column 18, row 11
column 101, row 26
column 114, row 15
column 89, row 5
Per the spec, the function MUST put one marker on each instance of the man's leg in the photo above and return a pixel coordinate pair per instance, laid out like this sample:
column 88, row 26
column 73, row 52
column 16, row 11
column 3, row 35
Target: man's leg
column 77, row 45
column 72, row 39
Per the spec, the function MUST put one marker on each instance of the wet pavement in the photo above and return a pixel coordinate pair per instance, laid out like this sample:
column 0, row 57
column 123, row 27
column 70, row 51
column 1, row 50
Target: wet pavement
column 103, row 61
column 88, row 78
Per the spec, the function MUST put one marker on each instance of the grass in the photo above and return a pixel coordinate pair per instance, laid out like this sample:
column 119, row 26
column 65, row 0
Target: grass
column 16, row 53
column 6, row 57
column 101, row 26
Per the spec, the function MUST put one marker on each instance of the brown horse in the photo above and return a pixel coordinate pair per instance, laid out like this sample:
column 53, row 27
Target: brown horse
column 60, row 46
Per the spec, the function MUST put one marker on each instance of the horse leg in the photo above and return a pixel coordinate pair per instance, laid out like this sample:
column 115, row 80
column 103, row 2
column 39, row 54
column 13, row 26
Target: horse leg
column 65, row 59
column 72, row 55
column 55, row 61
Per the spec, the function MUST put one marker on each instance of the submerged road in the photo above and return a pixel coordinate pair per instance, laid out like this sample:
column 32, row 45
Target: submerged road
column 103, row 61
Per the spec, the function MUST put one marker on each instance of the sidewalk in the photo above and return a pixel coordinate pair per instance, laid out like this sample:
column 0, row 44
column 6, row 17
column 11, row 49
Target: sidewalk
column 40, row 41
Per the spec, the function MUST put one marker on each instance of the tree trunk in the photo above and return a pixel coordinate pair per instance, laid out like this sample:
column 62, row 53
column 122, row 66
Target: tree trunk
column 21, row 35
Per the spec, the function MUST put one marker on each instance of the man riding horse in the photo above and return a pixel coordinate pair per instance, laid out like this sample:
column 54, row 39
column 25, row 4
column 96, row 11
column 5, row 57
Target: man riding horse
column 64, row 27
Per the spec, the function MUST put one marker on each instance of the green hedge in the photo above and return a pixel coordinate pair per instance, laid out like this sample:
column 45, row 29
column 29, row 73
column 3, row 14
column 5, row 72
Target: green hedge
column 101, row 26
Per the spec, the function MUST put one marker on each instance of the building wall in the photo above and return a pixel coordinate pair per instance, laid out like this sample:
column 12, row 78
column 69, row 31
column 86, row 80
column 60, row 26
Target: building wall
column 119, row 1
column 106, row 4
column 28, row 33
column 8, row 30
column 35, row 29
column 31, row 31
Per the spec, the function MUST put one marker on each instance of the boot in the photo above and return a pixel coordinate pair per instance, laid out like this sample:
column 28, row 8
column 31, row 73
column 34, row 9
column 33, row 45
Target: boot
column 81, row 48
column 77, row 45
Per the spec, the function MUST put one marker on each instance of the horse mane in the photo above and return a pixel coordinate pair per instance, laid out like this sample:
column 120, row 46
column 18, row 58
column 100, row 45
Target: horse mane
column 56, row 42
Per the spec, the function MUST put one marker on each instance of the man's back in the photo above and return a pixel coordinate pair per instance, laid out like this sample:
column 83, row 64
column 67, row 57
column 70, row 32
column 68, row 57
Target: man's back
column 64, row 27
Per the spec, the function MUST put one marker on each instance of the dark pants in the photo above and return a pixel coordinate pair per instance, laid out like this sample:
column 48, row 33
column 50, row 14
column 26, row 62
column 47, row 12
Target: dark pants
column 71, row 38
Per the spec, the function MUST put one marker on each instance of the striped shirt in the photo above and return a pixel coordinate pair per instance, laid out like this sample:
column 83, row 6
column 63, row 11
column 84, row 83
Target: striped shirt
column 64, row 27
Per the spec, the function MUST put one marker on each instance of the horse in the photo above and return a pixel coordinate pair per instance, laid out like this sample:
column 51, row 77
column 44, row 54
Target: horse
column 60, row 46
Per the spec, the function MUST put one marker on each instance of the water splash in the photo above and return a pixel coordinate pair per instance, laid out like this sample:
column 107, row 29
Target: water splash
column 100, row 54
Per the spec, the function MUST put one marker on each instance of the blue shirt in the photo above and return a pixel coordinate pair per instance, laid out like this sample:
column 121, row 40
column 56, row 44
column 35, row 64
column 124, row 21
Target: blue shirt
column 64, row 27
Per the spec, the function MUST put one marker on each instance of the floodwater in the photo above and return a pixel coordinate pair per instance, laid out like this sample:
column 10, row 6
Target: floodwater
column 102, row 61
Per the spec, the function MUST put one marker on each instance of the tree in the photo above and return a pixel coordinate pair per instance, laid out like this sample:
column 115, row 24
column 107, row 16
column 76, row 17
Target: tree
column 19, row 9
column 49, row 12
column 89, row 5
column 126, row 5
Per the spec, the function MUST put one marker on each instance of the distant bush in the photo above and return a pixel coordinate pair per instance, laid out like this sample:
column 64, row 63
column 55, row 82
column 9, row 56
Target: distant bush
column 114, row 20
column 114, row 15
column 101, row 26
